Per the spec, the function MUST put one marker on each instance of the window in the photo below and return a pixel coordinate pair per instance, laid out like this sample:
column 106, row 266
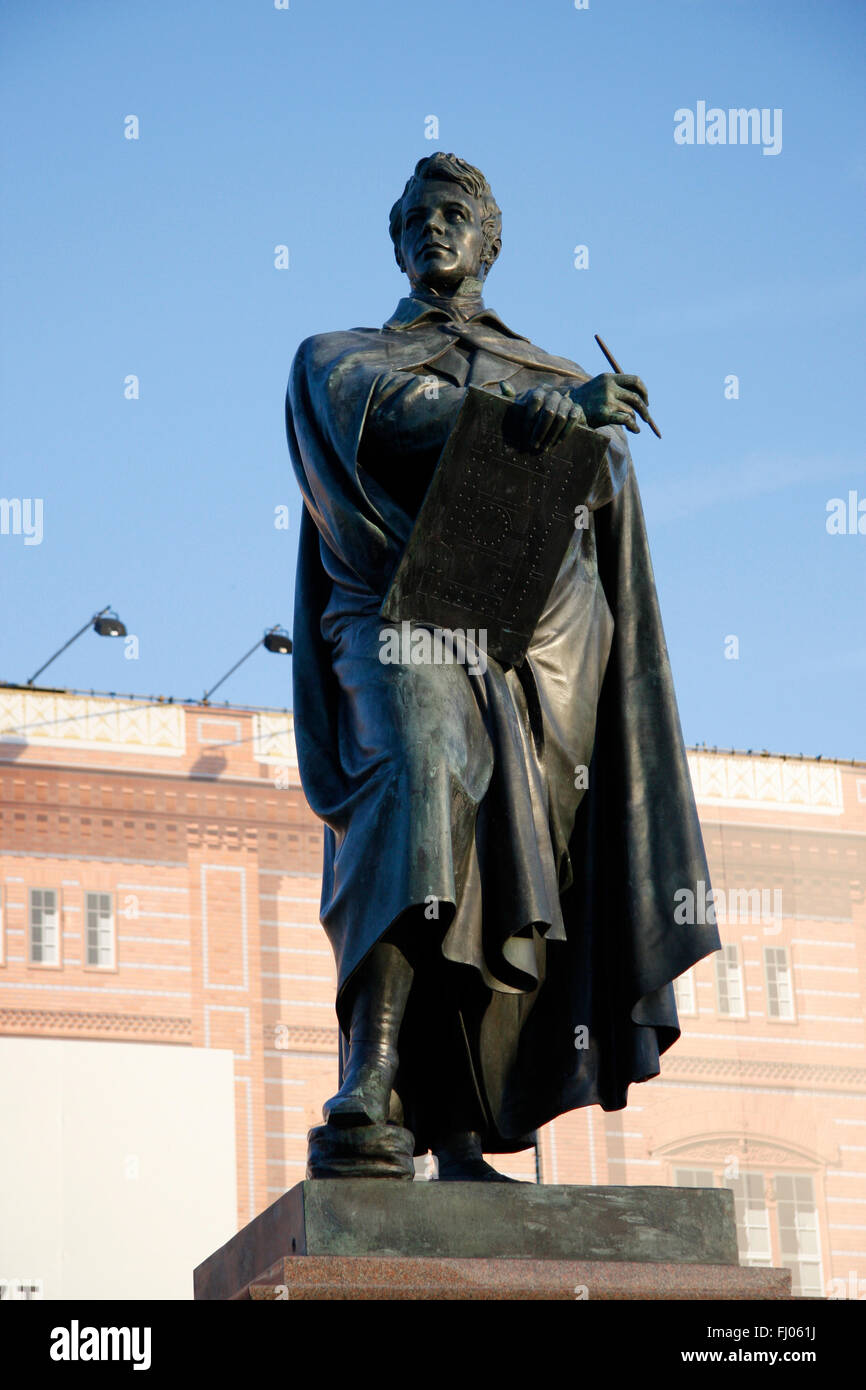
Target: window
column 753, row 1218
column 729, row 983
column 777, row 971
column 684, row 989
column 694, row 1177
column 799, row 1239
column 792, row 1197
column 100, row 930
column 44, row 934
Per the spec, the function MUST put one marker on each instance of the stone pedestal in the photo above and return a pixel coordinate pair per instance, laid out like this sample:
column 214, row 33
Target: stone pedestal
column 364, row 1238
column 369, row 1277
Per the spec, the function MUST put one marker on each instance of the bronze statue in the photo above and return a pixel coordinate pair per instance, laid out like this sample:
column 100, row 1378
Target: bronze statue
column 502, row 846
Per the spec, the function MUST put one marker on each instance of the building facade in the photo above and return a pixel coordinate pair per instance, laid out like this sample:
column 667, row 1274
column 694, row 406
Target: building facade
column 764, row 1092
column 159, row 884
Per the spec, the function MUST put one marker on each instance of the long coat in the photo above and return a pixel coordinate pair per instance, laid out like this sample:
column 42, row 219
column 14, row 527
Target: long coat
column 545, row 813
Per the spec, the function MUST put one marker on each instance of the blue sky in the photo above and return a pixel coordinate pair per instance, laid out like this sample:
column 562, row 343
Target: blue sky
column 261, row 127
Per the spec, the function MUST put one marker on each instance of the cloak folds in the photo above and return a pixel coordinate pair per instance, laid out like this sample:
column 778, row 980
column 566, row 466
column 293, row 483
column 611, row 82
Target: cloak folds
column 557, row 903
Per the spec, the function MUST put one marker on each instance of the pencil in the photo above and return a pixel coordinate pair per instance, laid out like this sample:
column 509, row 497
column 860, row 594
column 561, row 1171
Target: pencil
column 617, row 368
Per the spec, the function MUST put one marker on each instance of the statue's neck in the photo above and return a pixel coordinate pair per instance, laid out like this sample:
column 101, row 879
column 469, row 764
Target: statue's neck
column 465, row 295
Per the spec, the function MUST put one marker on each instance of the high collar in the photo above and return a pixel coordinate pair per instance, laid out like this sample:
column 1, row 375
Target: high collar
column 465, row 301
column 418, row 308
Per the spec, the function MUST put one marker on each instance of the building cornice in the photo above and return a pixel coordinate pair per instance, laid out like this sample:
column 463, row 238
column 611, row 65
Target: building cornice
column 795, row 1074
column 74, row 1023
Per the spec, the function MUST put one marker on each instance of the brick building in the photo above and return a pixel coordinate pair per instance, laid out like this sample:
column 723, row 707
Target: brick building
column 764, row 1092
column 160, row 884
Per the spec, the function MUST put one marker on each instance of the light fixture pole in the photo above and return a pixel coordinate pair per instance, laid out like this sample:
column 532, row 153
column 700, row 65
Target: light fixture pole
column 110, row 626
column 276, row 639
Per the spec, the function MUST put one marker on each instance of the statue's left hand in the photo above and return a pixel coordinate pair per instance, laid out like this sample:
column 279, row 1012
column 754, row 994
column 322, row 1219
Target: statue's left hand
column 545, row 414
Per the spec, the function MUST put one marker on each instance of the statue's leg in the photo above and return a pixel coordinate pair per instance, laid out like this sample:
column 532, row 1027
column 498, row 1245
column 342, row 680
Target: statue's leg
column 461, row 1160
column 380, row 991
column 455, row 1137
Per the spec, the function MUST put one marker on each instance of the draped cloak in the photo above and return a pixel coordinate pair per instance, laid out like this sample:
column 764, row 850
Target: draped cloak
column 537, row 823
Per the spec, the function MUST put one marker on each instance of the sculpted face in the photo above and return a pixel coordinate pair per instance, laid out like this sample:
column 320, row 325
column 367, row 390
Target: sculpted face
column 442, row 236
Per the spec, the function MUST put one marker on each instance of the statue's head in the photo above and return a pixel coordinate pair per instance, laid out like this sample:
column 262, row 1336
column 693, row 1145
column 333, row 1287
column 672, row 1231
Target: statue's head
column 446, row 224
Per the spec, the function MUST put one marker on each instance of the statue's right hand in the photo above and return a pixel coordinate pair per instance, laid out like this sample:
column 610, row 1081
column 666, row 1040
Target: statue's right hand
column 545, row 415
column 613, row 398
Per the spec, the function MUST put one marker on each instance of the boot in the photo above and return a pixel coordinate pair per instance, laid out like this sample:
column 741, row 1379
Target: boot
column 382, row 989
column 461, row 1160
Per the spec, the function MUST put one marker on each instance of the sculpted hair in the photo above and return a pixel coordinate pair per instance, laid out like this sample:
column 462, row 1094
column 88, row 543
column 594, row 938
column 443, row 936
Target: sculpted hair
column 452, row 169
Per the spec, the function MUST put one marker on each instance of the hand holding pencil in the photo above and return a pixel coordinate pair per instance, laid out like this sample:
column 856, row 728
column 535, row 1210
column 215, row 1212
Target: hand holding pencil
column 636, row 383
column 613, row 399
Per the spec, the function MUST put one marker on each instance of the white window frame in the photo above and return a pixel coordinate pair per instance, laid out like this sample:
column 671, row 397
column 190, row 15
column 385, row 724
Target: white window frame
column 807, row 1231
column 754, row 1228
column 728, row 966
column 698, row 1176
column 782, row 1007
column 93, row 903
column 686, row 994
column 32, row 907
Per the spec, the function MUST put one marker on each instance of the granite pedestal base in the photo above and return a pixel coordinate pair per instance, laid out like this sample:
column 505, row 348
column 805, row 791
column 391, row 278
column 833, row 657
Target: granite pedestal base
column 368, row 1277
column 365, row 1238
